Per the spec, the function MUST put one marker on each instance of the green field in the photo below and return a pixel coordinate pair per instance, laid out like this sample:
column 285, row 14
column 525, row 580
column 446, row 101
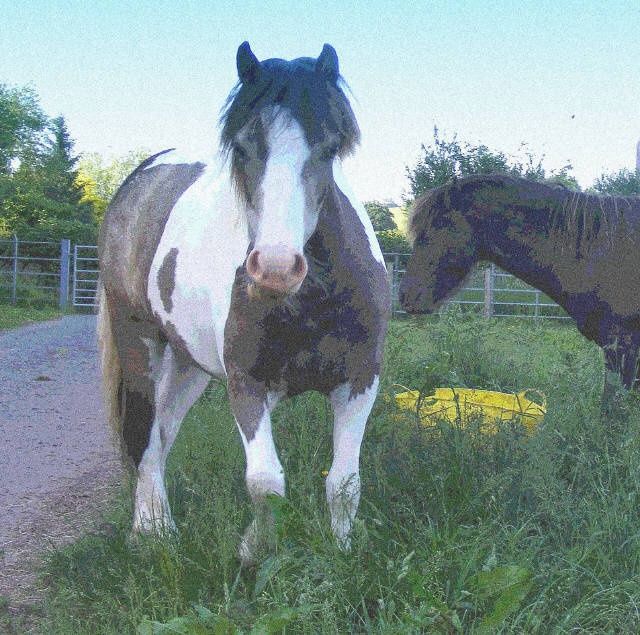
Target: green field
column 457, row 531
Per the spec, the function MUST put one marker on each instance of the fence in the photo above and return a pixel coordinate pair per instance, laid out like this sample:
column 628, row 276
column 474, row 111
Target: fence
column 34, row 271
column 489, row 289
column 66, row 276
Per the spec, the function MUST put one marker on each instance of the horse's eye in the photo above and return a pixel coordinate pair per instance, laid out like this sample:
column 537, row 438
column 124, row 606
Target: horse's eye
column 330, row 151
column 240, row 153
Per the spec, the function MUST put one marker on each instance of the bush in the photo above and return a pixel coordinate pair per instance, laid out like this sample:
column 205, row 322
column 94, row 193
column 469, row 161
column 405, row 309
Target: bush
column 392, row 241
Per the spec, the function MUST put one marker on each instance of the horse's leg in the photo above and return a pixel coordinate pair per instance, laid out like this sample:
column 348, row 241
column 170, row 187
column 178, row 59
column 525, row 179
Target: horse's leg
column 343, row 480
column 177, row 386
column 264, row 474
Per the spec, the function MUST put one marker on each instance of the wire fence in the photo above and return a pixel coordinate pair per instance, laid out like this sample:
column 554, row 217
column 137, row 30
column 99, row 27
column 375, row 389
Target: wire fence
column 59, row 273
column 489, row 290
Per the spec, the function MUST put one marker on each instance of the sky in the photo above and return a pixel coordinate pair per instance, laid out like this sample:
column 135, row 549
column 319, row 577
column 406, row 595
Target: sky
column 561, row 76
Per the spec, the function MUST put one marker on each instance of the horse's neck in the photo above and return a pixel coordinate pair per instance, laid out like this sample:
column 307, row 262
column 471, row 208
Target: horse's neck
column 522, row 255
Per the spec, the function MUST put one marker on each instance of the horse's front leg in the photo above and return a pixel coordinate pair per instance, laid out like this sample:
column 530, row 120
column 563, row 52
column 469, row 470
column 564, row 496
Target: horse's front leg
column 343, row 481
column 252, row 406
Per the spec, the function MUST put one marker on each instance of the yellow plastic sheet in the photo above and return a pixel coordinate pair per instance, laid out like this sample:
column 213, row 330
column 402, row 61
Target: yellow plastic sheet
column 459, row 405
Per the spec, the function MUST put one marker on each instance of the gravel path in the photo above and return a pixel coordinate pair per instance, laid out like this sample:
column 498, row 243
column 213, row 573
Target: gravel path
column 58, row 462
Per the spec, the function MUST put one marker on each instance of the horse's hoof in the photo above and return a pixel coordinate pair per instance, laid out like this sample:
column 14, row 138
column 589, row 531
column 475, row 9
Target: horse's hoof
column 249, row 546
column 145, row 526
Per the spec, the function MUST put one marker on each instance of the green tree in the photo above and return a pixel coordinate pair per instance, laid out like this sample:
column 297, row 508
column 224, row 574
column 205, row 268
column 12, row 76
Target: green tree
column 380, row 215
column 100, row 179
column 393, row 241
column 41, row 200
column 22, row 126
column 625, row 182
column 446, row 159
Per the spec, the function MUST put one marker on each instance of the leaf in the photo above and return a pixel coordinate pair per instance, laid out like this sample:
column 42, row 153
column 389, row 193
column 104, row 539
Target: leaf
column 275, row 621
column 204, row 623
column 267, row 570
column 507, row 586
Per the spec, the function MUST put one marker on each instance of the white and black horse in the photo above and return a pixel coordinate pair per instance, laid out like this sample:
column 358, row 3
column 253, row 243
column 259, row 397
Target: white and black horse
column 582, row 250
column 264, row 270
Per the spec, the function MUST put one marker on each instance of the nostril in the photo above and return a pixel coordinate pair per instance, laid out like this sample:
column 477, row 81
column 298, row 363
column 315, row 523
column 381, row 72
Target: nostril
column 299, row 266
column 253, row 266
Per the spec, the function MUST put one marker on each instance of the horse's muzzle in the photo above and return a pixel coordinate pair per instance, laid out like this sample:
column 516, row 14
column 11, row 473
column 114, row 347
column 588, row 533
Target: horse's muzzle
column 412, row 295
column 275, row 270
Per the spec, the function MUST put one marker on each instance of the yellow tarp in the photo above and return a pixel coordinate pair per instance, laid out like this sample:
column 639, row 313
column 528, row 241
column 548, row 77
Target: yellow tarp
column 459, row 404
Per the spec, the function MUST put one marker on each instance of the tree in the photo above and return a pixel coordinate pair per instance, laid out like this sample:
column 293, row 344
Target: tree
column 623, row 182
column 445, row 160
column 380, row 215
column 22, row 126
column 40, row 200
column 100, row 179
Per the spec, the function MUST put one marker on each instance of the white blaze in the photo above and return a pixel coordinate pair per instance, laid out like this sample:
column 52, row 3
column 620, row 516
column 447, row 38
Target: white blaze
column 283, row 197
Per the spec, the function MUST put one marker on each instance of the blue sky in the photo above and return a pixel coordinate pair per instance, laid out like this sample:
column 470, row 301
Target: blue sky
column 562, row 76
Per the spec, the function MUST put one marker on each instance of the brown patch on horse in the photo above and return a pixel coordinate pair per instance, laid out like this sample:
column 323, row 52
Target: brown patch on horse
column 318, row 338
column 167, row 278
column 133, row 226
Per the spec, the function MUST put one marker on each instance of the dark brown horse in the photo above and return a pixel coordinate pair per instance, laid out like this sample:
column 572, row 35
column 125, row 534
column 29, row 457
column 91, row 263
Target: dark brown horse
column 582, row 250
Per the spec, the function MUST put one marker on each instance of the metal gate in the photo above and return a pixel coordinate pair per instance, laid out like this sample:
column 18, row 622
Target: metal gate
column 85, row 275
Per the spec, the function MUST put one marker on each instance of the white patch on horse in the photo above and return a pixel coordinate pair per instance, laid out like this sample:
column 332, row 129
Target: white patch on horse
column 264, row 475
column 343, row 481
column 283, row 196
column 176, row 389
column 345, row 188
column 211, row 238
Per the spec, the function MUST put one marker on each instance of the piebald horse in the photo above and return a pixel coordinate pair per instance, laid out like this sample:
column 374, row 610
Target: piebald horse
column 263, row 269
column 582, row 250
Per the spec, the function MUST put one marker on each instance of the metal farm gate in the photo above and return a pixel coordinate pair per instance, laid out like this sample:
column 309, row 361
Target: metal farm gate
column 85, row 275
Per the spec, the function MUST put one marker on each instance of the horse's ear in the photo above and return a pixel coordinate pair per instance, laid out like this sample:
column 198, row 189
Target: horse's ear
column 327, row 63
column 247, row 63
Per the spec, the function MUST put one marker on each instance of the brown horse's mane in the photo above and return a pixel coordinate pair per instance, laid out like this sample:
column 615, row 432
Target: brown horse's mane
column 585, row 218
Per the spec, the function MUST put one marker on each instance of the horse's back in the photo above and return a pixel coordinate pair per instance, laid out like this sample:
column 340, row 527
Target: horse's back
column 134, row 223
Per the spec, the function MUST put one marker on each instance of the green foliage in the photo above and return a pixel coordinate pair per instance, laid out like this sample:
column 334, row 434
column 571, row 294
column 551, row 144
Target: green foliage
column 446, row 159
column 393, row 241
column 625, row 182
column 381, row 217
column 22, row 124
column 39, row 197
column 100, row 178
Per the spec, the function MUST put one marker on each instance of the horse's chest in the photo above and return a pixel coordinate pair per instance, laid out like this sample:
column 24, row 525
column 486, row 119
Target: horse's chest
column 292, row 351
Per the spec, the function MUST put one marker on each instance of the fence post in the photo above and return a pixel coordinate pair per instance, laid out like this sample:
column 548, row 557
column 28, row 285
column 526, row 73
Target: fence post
column 14, row 281
column 390, row 278
column 536, row 310
column 65, row 249
column 488, row 292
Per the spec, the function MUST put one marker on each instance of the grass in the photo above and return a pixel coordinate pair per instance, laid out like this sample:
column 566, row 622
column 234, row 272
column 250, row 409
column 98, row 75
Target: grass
column 14, row 316
column 457, row 531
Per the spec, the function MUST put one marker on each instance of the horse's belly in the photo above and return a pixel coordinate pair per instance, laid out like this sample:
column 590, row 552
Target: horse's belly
column 193, row 270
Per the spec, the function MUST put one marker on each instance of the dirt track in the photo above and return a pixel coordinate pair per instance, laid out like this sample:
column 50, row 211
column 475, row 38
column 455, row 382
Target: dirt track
column 58, row 463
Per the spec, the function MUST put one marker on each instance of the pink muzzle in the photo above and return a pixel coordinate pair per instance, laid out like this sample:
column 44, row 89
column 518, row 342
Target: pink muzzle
column 276, row 269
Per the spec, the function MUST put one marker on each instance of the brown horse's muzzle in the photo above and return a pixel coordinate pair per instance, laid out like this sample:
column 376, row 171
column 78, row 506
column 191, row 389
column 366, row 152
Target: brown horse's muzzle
column 412, row 294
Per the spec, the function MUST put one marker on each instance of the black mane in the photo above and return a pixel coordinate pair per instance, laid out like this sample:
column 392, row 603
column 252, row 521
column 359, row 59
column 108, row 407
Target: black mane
column 316, row 103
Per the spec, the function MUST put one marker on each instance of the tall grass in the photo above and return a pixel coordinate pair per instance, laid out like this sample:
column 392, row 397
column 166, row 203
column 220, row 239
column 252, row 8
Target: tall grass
column 457, row 531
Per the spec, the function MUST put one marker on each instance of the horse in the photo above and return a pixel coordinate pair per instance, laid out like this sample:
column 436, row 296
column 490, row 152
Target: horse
column 263, row 269
column 581, row 249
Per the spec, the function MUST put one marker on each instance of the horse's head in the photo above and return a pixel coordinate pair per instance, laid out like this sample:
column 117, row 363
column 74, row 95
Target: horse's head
column 444, row 250
column 283, row 126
